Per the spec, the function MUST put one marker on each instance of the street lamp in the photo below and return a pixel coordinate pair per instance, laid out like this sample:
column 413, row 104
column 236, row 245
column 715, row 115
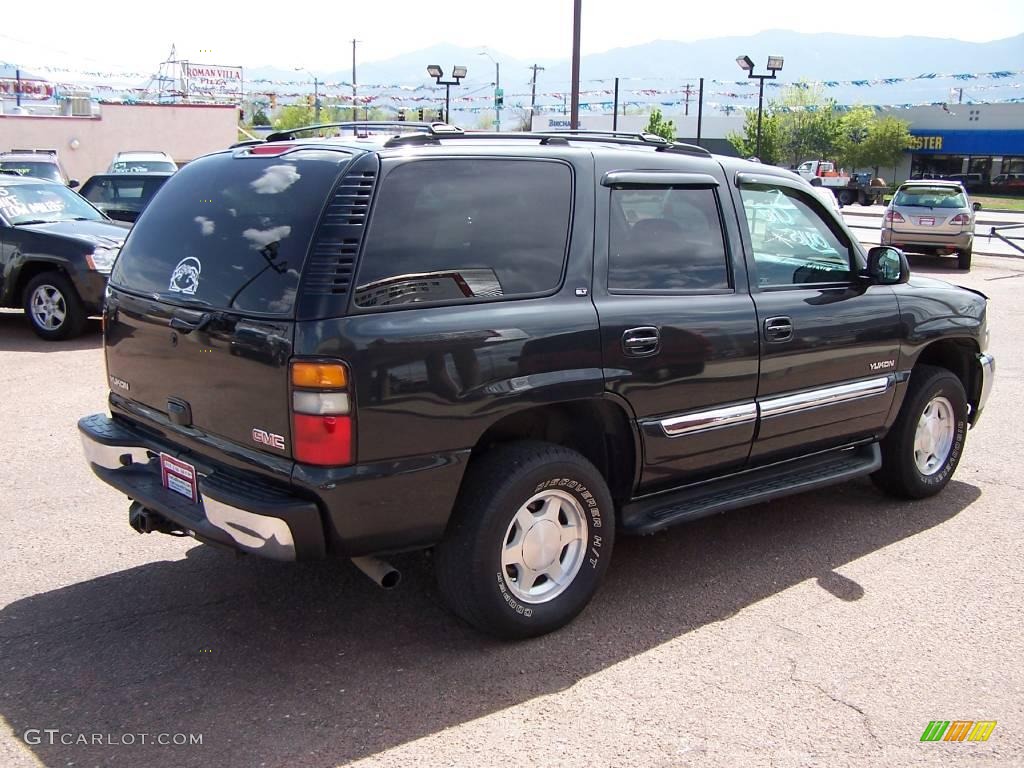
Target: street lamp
column 774, row 66
column 316, row 93
column 437, row 73
column 498, row 95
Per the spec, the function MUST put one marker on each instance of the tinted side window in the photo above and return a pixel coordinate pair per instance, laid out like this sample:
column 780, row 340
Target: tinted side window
column 666, row 239
column 466, row 230
column 792, row 243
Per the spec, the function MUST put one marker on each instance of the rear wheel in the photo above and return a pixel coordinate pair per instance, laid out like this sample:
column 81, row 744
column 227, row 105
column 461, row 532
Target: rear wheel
column 846, row 197
column 53, row 307
column 529, row 541
column 923, row 448
column 964, row 258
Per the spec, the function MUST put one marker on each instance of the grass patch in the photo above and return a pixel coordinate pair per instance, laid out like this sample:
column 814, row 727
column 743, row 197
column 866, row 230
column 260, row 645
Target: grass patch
column 988, row 202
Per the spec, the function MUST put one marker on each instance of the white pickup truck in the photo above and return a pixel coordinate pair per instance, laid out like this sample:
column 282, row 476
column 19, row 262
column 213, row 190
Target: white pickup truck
column 847, row 189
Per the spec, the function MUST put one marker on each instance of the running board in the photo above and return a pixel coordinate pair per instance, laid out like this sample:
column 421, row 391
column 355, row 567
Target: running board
column 754, row 486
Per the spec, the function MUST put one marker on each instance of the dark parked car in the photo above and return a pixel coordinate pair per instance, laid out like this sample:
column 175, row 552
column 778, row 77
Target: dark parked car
column 511, row 348
column 123, row 196
column 56, row 251
column 36, row 164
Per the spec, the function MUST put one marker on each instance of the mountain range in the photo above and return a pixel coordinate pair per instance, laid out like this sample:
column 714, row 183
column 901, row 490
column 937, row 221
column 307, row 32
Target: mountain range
column 667, row 65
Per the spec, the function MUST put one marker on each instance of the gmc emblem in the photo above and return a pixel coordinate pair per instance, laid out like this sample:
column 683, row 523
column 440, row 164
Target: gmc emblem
column 268, row 438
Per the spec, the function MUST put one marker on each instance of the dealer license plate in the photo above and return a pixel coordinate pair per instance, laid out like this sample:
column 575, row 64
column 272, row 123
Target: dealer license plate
column 179, row 476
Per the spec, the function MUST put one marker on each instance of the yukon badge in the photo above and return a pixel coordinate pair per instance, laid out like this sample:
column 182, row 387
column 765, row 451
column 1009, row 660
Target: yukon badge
column 268, row 438
column 185, row 277
column 121, row 384
column 882, row 365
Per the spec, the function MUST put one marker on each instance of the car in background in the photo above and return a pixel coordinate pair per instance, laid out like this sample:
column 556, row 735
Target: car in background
column 122, row 196
column 56, row 253
column 970, row 181
column 1006, row 182
column 142, row 162
column 931, row 216
column 35, row 163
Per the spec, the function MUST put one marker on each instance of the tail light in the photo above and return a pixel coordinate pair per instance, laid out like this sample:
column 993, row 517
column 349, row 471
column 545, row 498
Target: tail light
column 322, row 419
column 962, row 219
column 894, row 217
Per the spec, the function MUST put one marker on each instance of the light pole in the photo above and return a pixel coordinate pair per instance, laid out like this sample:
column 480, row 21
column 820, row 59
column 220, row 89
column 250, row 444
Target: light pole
column 437, row 73
column 316, row 93
column 774, row 66
column 498, row 95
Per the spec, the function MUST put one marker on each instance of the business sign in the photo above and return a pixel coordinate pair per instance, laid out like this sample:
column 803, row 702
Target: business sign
column 933, row 143
column 211, row 81
column 28, row 89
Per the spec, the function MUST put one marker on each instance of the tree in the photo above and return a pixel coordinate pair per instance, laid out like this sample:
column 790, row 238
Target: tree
column 260, row 118
column 771, row 139
column 886, row 142
column 294, row 116
column 855, row 130
column 661, row 127
column 485, row 121
column 809, row 123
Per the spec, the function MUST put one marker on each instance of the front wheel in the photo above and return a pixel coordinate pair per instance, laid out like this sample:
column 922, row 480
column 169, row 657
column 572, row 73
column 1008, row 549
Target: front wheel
column 846, row 197
column 923, row 448
column 529, row 541
column 53, row 307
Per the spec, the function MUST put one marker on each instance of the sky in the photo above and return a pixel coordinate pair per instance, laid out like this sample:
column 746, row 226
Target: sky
column 136, row 36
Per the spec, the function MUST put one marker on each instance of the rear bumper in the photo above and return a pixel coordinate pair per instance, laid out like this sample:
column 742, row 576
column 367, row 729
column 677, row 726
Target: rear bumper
column 904, row 239
column 238, row 509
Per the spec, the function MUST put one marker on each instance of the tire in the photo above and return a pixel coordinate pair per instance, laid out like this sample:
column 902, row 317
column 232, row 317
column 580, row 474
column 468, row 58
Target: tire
column 505, row 496
column 936, row 395
column 53, row 307
column 963, row 259
column 865, row 199
column 846, row 197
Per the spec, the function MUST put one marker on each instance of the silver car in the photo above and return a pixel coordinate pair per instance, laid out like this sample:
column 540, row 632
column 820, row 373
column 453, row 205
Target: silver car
column 931, row 216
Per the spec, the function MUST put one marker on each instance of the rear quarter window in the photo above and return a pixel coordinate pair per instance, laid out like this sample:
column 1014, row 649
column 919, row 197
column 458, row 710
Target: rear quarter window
column 462, row 230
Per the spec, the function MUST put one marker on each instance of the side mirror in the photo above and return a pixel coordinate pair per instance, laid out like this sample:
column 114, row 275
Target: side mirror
column 888, row 266
column 73, row 183
column 976, row 206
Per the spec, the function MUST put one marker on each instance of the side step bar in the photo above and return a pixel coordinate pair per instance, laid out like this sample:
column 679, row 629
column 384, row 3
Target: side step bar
column 774, row 481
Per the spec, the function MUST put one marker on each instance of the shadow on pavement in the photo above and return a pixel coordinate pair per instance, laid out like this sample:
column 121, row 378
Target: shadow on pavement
column 16, row 335
column 311, row 664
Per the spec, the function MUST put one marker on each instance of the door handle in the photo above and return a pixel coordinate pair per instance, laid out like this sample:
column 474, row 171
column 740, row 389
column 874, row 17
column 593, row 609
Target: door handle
column 778, row 329
column 642, row 341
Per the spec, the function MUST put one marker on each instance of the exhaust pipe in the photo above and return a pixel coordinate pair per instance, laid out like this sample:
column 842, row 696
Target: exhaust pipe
column 383, row 573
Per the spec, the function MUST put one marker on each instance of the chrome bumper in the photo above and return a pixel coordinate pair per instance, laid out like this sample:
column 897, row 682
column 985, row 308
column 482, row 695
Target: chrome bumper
column 126, row 468
column 987, row 368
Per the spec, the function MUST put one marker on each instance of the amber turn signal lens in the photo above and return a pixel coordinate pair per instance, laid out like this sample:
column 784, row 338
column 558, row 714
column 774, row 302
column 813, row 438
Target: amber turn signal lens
column 319, row 375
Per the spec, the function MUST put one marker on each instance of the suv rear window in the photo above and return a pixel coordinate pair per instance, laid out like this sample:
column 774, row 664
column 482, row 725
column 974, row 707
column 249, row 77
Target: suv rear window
column 231, row 232
column 459, row 230
column 32, row 168
column 930, row 196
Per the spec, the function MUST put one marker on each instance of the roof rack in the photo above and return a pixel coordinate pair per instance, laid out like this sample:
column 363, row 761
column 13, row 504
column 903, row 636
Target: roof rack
column 355, row 126
column 34, row 151
column 659, row 143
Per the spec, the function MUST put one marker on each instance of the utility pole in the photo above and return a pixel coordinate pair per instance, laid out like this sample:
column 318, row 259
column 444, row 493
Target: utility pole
column 615, row 107
column 574, row 120
column 354, row 109
column 316, row 100
column 700, row 109
column 687, row 90
column 533, row 92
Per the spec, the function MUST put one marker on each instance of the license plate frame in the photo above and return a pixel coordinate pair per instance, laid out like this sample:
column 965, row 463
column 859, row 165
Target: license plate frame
column 179, row 477
column 926, row 221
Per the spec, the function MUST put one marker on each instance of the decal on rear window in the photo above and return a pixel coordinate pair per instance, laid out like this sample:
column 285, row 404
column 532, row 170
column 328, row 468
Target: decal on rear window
column 185, row 278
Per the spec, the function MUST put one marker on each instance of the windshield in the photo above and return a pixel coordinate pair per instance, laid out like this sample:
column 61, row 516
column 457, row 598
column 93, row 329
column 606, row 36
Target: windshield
column 241, row 229
column 930, row 197
column 32, row 169
column 143, row 166
column 42, row 203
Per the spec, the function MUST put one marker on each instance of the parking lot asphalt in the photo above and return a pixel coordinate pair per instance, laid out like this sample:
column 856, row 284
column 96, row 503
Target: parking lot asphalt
column 826, row 629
